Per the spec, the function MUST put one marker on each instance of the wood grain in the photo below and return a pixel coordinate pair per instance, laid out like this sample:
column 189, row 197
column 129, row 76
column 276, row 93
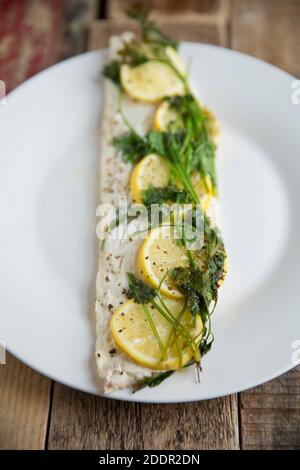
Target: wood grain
column 269, row 30
column 81, row 421
column 270, row 414
column 159, row 8
column 202, row 21
column 188, row 29
column 24, row 406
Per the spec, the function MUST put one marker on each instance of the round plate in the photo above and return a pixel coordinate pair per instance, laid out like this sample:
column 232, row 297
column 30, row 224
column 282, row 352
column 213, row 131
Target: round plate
column 48, row 197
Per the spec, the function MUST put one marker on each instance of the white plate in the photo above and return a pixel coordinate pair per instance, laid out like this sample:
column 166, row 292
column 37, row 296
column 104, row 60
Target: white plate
column 48, row 198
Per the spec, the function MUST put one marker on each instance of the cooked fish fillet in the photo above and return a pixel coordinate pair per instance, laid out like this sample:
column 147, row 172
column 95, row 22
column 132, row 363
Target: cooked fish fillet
column 116, row 256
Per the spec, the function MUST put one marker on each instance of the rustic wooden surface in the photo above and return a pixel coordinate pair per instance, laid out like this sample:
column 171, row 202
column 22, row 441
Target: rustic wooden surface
column 24, row 406
column 270, row 414
column 159, row 8
column 36, row 414
column 83, row 421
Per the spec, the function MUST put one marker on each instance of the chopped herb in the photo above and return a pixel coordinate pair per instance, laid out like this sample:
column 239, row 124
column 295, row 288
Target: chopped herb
column 200, row 285
column 112, row 71
column 131, row 146
column 159, row 195
column 139, row 291
column 131, row 54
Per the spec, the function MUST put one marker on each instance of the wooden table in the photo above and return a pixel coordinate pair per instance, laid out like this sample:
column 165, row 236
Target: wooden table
column 36, row 413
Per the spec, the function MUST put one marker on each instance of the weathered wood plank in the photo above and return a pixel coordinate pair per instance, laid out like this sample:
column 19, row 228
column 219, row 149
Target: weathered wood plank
column 270, row 414
column 118, row 8
column 206, row 31
column 81, row 421
column 269, row 29
column 24, row 406
column 211, row 424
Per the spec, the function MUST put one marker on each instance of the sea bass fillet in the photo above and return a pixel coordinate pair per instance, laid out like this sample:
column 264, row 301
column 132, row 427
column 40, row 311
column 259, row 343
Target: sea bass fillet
column 117, row 252
column 116, row 256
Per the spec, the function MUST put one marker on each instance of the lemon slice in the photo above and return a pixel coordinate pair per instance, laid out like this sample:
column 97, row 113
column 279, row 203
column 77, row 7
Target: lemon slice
column 133, row 334
column 166, row 117
column 204, row 190
column 213, row 126
column 151, row 81
column 151, row 170
column 160, row 253
column 154, row 170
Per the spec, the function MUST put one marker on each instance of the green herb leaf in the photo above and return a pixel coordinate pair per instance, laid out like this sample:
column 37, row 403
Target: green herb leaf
column 200, row 149
column 132, row 146
column 159, row 195
column 200, row 285
column 131, row 54
column 154, row 382
column 112, row 71
column 139, row 291
column 157, row 143
column 203, row 160
column 205, row 346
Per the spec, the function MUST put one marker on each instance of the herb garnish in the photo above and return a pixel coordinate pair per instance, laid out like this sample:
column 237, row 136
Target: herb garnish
column 143, row 294
column 188, row 146
column 112, row 71
column 160, row 195
column 139, row 291
column 153, row 381
column 200, row 149
column 200, row 284
column 131, row 53
column 132, row 146
column 169, row 145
